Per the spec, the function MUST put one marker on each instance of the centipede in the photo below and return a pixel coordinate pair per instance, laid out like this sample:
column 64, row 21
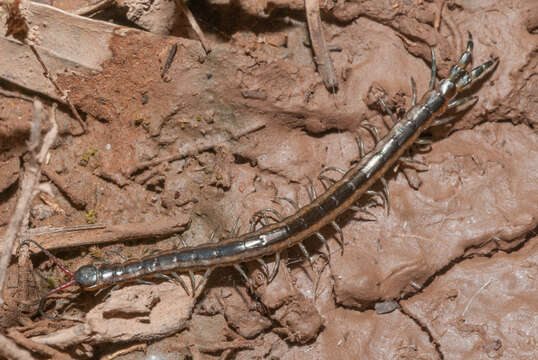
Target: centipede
column 272, row 239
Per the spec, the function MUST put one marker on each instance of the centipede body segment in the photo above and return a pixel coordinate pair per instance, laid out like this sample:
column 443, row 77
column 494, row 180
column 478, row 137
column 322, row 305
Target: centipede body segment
column 322, row 211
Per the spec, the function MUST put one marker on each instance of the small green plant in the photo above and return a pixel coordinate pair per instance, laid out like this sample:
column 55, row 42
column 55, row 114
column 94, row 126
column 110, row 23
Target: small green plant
column 91, row 217
column 86, row 156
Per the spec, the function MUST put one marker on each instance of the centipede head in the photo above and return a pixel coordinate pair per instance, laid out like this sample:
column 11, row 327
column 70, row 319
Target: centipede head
column 68, row 272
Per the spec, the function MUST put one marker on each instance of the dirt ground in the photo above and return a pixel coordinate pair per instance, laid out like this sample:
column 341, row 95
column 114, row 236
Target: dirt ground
column 451, row 272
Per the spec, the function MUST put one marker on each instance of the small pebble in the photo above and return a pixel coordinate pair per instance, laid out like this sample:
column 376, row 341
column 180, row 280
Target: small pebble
column 386, row 307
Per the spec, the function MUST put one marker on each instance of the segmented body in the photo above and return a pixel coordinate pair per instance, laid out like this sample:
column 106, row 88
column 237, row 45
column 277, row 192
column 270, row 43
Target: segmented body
column 290, row 231
column 308, row 220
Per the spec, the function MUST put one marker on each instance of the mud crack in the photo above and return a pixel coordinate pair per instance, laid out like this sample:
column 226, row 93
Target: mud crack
column 426, row 330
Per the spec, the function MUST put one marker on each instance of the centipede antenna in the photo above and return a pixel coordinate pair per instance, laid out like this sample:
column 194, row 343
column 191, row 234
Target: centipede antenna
column 61, row 287
column 44, row 299
column 49, row 254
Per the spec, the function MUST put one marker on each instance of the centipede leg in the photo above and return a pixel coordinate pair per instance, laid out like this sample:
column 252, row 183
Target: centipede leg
column 120, row 255
column 442, row 121
column 365, row 211
column 381, row 195
column 463, row 82
column 410, row 170
column 181, row 282
column 387, row 193
column 204, row 279
column 360, row 145
column 212, row 235
column 410, row 160
column 182, row 240
column 433, row 74
column 193, row 283
column 264, row 266
column 462, row 101
column 143, row 282
column 243, row 275
column 161, row 276
column 235, row 227
column 306, row 254
column 312, row 195
column 290, row 201
column 332, row 168
column 388, row 111
column 372, row 129
column 322, row 178
column 275, row 268
column 260, row 216
column 325, row 243
column 341, row 233
column 414, row 92
column 422, row 141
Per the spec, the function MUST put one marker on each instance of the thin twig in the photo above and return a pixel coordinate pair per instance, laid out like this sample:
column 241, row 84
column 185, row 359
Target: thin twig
column 36, row 347
column 195, row 147
column 194, row 24
column 53, row 230
column 64, row 94
column 157, row 229
column 93, row 8
column 319, row 45
column 76, row 199
column 474, row 297
column 169, row 60
column 130, row 349
column 437, row 21
column 12, row 94
column 30, row 180
column 9, row 350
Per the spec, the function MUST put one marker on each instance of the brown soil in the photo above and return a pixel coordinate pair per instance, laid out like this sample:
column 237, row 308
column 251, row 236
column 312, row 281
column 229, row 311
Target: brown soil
column 455, row 259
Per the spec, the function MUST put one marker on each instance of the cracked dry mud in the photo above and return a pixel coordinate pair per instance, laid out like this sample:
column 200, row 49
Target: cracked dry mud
column 251, row 119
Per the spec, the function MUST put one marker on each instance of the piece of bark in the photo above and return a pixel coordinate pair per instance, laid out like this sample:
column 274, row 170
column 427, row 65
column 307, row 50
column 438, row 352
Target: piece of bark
column 156, row 229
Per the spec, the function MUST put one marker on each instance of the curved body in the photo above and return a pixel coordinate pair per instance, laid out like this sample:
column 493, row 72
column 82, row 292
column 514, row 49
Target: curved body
column 307, row 221
column 290, row 231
